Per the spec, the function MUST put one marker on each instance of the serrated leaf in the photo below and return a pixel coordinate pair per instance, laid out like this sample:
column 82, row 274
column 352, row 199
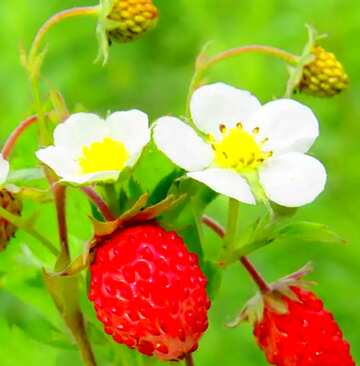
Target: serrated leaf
column 310, row 232
column 31, row 321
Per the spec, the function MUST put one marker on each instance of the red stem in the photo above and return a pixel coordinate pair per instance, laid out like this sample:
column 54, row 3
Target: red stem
column 99, row 203
column 255, row 275
column 11, row 141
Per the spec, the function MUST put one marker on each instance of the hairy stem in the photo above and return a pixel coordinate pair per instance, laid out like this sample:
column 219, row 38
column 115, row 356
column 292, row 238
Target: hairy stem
column 99, row 203
column 13, row 138
column 24, row 225
column 189, row 361
column 255, row 275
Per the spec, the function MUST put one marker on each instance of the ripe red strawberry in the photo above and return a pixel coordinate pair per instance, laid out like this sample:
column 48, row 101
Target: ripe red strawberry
column 306, row 335
column 149, row 291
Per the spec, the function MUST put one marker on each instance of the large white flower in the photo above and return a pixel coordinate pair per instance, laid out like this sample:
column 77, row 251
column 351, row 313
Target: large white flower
column 243, row 137
column 89, row 149
column 4, row 170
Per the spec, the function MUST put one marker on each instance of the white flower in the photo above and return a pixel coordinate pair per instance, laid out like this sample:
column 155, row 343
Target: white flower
column 244, row 137
column 4, row 170
column 89, row 149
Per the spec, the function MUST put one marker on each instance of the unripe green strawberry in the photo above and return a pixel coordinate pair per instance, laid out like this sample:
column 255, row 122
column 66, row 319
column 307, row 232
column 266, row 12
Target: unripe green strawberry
column 7, row 230
column 324, row 76
column 133, row 18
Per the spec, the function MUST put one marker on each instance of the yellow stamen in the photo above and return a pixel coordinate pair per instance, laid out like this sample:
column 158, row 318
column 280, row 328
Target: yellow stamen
column 104, row 155
column 238, row 149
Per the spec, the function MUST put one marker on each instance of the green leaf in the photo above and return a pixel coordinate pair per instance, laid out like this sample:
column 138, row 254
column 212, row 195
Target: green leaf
column 310, row 232
column 31, row 321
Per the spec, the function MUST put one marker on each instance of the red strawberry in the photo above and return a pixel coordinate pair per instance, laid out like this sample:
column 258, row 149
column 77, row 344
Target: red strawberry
column 305, row 335
column 149, row 291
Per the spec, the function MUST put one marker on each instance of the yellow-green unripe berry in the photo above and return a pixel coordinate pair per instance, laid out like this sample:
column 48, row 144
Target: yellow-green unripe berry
column 324, row 76
column 132, row 18
column 7, row 230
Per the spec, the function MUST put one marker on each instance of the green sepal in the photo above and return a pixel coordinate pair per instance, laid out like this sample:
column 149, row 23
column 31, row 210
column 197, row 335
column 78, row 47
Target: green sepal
column 273, row 297
column 296, row 72
column 137, row 214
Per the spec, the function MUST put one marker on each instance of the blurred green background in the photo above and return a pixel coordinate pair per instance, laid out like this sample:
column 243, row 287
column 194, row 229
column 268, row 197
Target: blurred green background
column 153, row 74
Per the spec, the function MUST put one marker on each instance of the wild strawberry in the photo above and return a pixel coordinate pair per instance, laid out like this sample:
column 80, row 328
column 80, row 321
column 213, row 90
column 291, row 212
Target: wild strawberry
column 324, row 76
column 149, row 291
column 132, row 18
column 13, row 205
column 304, row 335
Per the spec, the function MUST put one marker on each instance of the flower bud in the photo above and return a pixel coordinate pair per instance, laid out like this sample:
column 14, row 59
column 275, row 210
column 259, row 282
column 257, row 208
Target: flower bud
column 131, row 19
column 7, row 230
column 324, row 76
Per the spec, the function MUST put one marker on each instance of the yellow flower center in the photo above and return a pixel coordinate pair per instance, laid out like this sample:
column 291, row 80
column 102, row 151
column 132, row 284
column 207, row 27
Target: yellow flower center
column 238, row 149
column 104, row 155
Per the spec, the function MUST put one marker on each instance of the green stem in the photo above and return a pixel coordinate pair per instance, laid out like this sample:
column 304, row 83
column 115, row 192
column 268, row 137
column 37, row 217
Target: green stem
column 23, row 225
column 233, row 216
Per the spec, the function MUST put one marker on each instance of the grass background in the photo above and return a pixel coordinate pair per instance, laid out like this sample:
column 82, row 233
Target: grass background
column 153, row 74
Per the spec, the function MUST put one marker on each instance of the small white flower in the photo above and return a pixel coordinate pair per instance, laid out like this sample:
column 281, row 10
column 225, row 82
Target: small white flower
column 4, row 170
column 89, row 149
column 244, row 137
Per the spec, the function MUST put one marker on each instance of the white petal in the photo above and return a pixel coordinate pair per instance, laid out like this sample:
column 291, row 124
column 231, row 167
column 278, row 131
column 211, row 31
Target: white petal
column 289, row 126
column 181, row 144
column 226, row 182
column 109, row 176
column 59, row 159
column 219, row 103
column 78, row 130
column 131, row 128
column 293, row 179
column 4, row 169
